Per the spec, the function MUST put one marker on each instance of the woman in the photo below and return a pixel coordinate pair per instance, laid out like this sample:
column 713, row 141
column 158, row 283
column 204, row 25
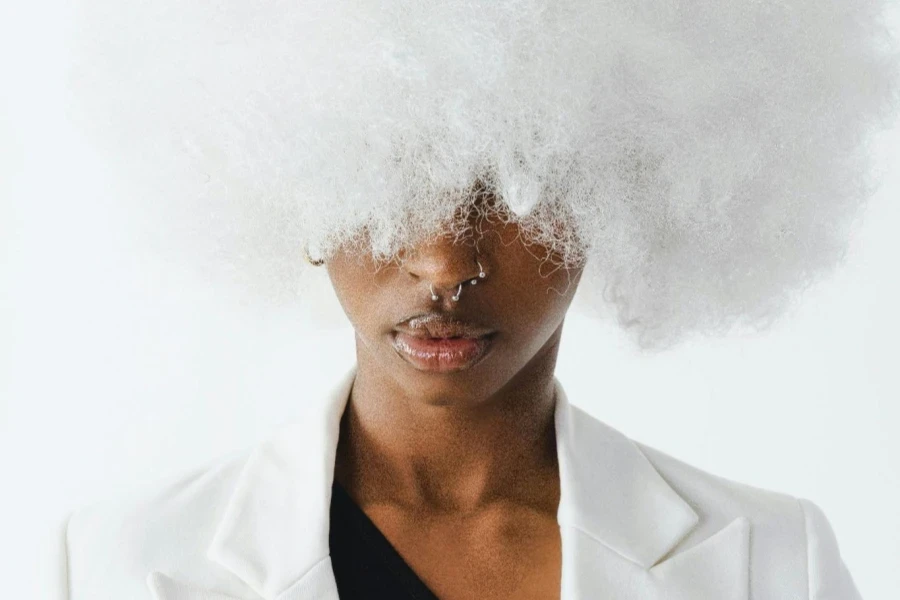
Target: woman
column 448, row 463
column 457, row 171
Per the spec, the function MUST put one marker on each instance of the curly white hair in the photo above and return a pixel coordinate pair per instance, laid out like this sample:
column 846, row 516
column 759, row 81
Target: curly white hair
column 711, row 154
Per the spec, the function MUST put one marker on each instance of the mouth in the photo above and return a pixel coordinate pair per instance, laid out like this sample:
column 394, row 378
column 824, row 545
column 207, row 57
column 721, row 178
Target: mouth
column 440, row 344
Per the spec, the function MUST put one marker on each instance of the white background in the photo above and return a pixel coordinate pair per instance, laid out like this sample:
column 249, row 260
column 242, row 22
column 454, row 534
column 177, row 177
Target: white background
column 111, row 355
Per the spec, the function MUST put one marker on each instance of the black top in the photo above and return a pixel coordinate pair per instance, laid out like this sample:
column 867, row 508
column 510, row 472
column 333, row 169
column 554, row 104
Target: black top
column 366, row 565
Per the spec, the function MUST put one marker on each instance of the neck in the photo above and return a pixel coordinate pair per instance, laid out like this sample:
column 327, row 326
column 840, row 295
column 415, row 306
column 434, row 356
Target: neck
column 397, row 448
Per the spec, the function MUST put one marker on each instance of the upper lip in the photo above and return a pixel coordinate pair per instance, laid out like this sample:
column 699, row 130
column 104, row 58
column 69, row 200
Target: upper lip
column 437, row 325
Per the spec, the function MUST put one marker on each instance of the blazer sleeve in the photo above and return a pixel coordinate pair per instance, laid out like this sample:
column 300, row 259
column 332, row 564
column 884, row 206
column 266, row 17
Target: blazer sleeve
column 829, row 578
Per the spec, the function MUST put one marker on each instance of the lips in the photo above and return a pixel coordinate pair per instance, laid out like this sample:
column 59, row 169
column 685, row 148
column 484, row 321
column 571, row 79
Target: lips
column 438, row 343
column 437, row 325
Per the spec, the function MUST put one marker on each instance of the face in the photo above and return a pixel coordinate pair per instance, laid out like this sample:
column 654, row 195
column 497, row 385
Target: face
column 443, row 351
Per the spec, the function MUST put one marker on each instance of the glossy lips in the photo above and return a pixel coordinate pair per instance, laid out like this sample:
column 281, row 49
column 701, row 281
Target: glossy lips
column 437, row 343
column 440, row 354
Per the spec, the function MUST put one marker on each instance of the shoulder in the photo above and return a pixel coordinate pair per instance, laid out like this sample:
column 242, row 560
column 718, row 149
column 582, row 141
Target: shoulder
column 790, row 536
column 170, row 526
column 114, row 544
column 720, row 497
column 716, row 499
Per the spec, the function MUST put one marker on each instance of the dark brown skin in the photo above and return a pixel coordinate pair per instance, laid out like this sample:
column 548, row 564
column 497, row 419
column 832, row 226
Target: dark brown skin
column 459, row 469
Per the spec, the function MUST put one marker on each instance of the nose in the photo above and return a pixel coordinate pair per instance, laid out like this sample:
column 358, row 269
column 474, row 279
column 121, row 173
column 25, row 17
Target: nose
column 443, row 263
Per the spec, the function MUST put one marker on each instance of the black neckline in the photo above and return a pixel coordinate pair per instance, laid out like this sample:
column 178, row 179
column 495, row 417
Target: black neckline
column 380, row 545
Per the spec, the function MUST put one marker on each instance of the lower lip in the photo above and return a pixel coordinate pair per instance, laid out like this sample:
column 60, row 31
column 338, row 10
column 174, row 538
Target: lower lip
column 441, row 355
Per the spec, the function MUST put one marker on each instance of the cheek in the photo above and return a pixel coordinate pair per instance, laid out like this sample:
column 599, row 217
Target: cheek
column 527, row 314
column 356, row 291
column 540, row 304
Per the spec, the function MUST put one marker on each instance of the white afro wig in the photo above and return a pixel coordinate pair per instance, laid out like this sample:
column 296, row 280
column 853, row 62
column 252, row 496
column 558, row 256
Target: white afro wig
column 711, row 155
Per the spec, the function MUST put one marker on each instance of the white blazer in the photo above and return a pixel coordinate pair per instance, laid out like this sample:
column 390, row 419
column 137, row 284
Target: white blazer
column 634, row 522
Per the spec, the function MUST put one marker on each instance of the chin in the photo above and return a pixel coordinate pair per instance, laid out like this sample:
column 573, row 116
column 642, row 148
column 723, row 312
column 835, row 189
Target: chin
column 467, row 387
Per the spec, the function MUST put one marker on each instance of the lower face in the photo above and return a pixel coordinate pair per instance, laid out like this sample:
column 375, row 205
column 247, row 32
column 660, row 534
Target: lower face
column 522, row 302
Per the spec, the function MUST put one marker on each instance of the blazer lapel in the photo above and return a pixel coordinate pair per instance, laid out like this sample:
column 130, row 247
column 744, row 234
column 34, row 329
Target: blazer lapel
column 317, row 583
column 274, row 532
column 620, row 522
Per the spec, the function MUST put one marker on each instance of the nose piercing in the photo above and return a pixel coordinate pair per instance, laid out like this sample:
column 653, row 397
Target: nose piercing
column 455, row 297
column 481, row 273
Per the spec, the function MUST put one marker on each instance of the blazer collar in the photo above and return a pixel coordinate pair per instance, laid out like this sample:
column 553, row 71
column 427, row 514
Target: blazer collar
column 274, row 532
